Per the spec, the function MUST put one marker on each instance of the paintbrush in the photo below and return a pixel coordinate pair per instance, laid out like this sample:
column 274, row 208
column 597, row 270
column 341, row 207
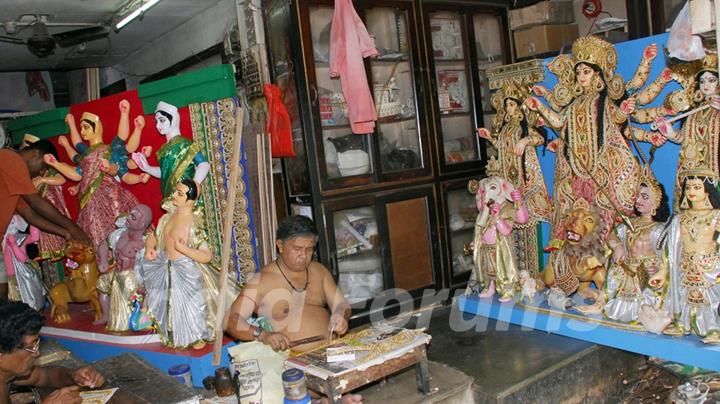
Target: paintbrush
column 306, row 340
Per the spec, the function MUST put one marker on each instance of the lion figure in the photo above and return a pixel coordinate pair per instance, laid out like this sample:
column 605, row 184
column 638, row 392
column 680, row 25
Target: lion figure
column 79, row 287
column 580, row 260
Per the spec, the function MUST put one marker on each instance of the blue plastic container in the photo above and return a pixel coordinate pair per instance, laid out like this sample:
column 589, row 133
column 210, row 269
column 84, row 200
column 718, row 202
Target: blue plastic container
column 295, row 387
column 182, row 374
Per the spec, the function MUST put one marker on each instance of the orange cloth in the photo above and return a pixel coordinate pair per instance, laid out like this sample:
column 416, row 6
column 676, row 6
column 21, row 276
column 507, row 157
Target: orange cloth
column 14, row 182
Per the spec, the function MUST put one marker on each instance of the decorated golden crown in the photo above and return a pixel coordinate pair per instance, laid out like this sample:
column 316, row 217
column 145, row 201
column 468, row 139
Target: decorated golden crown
column 493, row 167
column 699, row 172
column 708, row 63
column 698, row 168
column 648, row 178
column 515, row 91
column 591, row 49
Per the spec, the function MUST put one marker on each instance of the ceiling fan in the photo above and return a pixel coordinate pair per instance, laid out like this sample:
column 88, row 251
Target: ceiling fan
column 41, row 43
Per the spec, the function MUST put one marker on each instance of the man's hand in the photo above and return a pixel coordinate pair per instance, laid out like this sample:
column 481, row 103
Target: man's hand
column 65, row 395
column 338, row 324
column 38, row 181
column 88, row 376
column 76, row 233
column 277, row 340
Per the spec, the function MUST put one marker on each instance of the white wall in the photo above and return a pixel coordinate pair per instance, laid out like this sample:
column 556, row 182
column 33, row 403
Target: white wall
column 197, row 34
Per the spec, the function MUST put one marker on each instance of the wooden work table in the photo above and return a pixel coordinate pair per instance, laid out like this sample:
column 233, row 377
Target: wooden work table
column 138, row 382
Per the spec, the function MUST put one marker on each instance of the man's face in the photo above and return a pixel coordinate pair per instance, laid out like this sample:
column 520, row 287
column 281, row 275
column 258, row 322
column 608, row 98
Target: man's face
column 35, row 162
column 179, row 197
column 19, row 362
column 297, row 252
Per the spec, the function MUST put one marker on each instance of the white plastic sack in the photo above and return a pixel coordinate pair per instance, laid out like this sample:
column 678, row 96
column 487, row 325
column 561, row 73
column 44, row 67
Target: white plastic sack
column 682, row 44
column 258, row 371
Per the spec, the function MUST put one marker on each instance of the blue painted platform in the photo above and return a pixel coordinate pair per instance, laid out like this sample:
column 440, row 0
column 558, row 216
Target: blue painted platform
column 201, row 366
column 92, row 343
column 688, row 350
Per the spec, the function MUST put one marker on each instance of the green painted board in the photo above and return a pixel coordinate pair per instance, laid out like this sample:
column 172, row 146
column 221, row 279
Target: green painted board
column 43, row 125
column 208, row 84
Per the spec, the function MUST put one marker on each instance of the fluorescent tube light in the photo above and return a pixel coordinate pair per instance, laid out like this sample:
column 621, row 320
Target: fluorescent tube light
column 135, row 14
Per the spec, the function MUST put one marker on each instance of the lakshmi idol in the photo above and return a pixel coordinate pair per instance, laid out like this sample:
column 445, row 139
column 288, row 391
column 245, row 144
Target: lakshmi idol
column 515, row 139
column 102, row 198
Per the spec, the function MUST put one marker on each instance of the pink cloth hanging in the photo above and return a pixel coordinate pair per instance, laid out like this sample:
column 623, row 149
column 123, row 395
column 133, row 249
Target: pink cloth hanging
column 349, row 44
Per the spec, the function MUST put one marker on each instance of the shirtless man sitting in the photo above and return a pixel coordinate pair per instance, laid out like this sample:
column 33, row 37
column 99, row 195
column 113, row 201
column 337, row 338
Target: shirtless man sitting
column 297, row 296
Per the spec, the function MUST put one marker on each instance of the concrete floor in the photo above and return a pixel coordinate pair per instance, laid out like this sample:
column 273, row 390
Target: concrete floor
column 502, row 355
column 510, row 364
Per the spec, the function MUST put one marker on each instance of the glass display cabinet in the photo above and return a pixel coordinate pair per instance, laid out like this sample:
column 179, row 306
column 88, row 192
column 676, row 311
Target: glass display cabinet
column 461, row 211
column 395, row 149
column 464, row 42
column 392, row 206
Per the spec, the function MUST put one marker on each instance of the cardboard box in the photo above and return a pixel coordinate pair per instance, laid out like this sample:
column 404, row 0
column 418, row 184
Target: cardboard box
column 543, row 39
column 702, row 16
column 543, row 13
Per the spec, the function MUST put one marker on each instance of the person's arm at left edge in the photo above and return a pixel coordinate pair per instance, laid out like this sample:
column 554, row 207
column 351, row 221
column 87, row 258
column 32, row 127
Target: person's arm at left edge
column 339, row 307
column 58, row 376
column 43, row 215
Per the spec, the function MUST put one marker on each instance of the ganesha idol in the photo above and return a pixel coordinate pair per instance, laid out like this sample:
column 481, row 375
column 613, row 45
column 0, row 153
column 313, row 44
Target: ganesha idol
column 500, row 207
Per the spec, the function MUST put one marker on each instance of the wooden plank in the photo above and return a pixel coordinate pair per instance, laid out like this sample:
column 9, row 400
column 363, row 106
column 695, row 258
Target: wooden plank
column 410, row 243
column 227, row 235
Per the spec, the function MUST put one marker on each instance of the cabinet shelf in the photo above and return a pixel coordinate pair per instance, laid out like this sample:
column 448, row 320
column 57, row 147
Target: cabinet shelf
column 395, row 119
column 449, row 114
column 332, row 127
column 444, row 61
column 389, row 60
